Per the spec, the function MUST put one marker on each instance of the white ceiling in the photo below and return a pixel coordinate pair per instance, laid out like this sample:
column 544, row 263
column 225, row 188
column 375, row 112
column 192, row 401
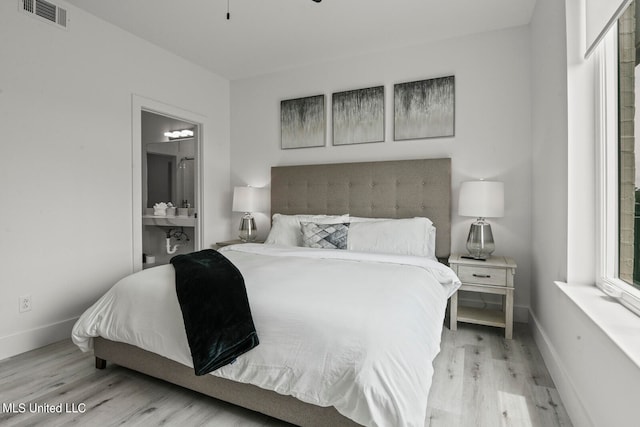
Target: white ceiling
column 264, row 36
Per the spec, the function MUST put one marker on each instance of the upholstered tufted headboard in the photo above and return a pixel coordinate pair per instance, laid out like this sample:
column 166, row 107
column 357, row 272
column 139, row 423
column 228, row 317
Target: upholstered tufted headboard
column 390, row 189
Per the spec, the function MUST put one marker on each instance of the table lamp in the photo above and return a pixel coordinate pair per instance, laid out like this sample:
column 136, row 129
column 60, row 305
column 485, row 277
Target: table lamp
column 245, row 199
column 481, row 199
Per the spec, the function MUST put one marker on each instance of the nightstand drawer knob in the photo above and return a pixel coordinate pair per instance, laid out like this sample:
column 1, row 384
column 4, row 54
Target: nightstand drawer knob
column 482, row 276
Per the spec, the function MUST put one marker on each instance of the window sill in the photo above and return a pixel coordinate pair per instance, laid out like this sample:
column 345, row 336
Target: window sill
column 617, row 322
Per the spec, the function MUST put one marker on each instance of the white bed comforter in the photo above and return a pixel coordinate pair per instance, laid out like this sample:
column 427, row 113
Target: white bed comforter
column 337, row 328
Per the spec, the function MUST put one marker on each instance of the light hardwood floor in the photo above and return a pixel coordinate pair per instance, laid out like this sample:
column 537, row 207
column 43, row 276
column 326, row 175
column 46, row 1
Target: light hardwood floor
column 480, row 380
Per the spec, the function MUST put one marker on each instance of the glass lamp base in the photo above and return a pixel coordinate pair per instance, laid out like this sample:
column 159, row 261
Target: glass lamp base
column 480, row 244
column 248, row 229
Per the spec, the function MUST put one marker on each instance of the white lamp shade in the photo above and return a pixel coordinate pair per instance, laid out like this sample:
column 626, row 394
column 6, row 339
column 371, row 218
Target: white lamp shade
column 245, row 199
column 481, row 199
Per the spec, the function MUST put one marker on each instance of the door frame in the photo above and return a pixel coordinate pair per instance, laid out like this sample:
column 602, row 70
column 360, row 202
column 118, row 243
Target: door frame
column 138, row 105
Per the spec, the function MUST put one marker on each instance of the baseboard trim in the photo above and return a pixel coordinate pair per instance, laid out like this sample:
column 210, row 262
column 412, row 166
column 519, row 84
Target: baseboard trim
column 567, row 390
column 21, row 342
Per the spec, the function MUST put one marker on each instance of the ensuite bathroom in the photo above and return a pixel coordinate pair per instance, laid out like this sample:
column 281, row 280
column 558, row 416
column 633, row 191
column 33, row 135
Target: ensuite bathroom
column 169, row 188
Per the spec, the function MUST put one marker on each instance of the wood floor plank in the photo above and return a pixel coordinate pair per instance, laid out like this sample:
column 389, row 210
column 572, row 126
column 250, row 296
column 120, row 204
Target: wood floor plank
column 480, row 380
column 445, row 397
column 448, row 377
column 548, row 407
column 538, row 371
column 517, row 387
column 514, row 410
column 479, row 388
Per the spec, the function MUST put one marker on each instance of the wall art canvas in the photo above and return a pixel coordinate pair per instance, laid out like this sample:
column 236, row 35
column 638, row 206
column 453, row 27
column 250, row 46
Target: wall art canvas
column 424, row 109
column 358, row 116
column 302, row 122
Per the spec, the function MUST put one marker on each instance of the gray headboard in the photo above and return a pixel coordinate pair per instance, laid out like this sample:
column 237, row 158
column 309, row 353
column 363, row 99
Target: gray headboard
column 390, row 189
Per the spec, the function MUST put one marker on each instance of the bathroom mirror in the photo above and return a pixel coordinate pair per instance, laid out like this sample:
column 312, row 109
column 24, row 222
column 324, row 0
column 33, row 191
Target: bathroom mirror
column 171, row 173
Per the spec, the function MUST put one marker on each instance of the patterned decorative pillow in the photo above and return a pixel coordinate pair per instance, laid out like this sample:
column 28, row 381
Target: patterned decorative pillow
column 326, row 236
column 287, row 231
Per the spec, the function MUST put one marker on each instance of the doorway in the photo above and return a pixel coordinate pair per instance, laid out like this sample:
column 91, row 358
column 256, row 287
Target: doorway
column 167, row 202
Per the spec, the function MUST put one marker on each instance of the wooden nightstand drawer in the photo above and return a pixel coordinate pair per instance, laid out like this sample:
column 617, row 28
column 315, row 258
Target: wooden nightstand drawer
column 482, row 275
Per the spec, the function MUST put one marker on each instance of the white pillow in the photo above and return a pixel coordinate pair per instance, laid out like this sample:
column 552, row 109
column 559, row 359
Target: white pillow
column 286, row 229
column 431, row 249
column 411, row 236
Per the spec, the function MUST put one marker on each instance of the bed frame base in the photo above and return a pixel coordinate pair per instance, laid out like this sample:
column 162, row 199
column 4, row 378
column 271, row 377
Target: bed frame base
column 100, row 363
column 286, row 408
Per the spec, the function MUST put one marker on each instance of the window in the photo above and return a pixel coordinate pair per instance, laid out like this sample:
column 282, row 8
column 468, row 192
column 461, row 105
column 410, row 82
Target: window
column 629, row 264
column 619, row 186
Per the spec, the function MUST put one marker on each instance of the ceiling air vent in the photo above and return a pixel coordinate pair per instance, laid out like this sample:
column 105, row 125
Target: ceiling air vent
column 46, row 11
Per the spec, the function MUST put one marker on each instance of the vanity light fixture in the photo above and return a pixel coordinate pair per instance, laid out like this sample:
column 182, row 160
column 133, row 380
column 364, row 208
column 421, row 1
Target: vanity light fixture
column 184, row 133
column 481, row 199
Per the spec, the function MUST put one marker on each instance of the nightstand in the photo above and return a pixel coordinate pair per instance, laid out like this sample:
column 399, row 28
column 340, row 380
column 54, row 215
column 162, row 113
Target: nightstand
column 219, row 245
column 493, row 276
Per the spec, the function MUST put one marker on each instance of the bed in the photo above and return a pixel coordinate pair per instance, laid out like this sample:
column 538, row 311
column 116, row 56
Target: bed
column 382, row 394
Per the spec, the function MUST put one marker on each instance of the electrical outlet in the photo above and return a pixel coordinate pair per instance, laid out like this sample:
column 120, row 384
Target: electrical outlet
column 24, row 303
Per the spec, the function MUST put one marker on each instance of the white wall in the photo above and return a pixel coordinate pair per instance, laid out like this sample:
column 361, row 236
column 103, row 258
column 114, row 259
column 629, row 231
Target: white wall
column 65, row 168
column 492, row 138
column 550, row 154
column 598, row 383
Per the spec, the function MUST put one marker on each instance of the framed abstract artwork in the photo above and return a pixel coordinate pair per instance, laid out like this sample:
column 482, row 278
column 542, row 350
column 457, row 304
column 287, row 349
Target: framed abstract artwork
column 358, row 116
column 424, row 109
column 303, row 122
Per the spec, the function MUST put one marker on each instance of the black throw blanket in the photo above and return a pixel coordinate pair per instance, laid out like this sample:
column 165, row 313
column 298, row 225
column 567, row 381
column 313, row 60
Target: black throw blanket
column 215, row 309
